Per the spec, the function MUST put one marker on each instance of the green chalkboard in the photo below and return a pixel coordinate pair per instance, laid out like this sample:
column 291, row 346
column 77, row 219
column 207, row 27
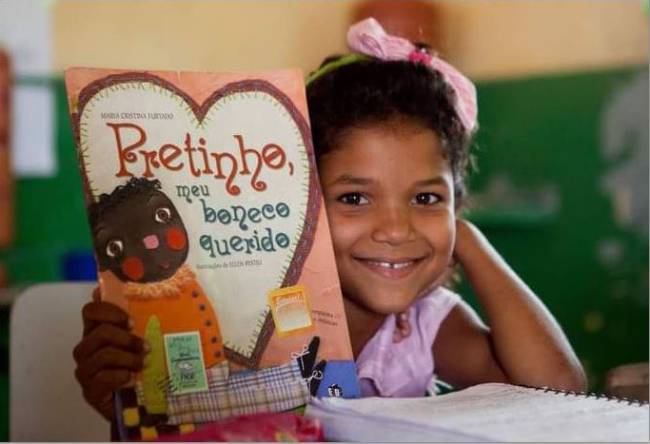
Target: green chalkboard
column 50, row 212
column 557, row 156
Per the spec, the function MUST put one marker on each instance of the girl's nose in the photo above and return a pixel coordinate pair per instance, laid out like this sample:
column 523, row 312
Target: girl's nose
column 393, row 226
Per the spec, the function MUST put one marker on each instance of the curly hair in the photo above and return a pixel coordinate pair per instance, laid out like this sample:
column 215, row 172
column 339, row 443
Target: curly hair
column 372, row 91
column 107, row 202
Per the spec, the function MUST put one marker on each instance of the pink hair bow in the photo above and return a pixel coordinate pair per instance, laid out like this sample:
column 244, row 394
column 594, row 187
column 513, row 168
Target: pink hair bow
column 369, row 38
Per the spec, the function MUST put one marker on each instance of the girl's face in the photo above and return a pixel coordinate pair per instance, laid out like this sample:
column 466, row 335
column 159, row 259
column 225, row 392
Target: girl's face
column 390, row 203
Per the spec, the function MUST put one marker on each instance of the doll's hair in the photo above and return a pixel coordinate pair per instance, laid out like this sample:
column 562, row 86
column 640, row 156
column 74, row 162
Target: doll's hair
column 370, row 92
column 122, row 193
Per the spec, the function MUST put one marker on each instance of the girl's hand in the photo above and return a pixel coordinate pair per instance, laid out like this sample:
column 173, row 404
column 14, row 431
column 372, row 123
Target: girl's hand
column 107, row 354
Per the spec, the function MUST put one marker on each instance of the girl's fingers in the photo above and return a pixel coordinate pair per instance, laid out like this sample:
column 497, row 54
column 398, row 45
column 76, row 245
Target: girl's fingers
column 107, row 381
column 108, row 358
column 107, row 355
column 96, row 313
column 107, row 335
column 97, row 294
column 99, row 390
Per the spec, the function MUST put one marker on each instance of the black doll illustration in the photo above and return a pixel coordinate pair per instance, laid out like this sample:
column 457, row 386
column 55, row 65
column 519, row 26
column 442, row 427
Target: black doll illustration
column 138, row 233
column 140, row 237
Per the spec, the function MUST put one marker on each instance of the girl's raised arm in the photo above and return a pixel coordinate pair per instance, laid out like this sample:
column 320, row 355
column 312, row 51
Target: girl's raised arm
column 524, row 343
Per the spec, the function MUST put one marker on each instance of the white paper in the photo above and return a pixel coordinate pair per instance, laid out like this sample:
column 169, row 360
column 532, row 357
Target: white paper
column 343, row 424
column 498, row 412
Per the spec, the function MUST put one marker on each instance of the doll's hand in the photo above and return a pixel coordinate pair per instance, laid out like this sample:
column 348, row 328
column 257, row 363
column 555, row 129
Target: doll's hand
column 107, row 354
column 402, row 327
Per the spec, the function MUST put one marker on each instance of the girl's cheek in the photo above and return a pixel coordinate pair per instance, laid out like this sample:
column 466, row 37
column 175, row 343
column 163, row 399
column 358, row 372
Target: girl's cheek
column 133, row 268
column 176, row 239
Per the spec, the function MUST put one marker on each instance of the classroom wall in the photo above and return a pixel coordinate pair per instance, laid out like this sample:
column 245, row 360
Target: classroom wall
column 486, row 39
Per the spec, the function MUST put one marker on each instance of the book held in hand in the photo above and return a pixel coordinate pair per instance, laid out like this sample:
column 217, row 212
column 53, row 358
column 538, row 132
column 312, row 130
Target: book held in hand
column 209, row 229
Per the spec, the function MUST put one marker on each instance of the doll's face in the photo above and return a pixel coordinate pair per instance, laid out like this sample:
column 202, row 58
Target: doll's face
column 142, row 239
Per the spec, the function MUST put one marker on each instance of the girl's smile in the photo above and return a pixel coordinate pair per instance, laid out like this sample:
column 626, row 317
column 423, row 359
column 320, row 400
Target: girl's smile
column 390, row 268
column 390, row 203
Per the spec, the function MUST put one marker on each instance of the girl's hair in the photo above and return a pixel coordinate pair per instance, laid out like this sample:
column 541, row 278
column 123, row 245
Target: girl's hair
column 372, row 91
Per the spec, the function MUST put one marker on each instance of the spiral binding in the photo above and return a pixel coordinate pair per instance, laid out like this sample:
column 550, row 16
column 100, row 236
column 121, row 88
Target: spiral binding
column 592, row 395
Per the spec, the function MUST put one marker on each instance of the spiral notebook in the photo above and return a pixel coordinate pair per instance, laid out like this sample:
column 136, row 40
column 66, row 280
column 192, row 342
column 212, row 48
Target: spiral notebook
column 484, row 413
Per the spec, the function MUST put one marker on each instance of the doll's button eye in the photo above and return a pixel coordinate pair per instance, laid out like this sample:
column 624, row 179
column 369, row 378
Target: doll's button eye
column 114, row 248
column 163, row 215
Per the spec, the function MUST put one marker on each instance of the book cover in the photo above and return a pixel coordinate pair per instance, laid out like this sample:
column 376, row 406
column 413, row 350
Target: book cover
column 209, row 229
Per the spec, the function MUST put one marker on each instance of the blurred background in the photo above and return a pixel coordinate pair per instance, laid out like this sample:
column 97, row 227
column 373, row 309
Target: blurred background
column 562, row 151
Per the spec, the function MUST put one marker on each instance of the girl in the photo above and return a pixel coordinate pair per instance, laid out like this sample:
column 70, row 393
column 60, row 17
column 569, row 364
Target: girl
column 392, row 126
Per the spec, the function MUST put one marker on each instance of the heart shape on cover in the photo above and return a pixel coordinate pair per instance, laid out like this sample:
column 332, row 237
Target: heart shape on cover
column 239, row 169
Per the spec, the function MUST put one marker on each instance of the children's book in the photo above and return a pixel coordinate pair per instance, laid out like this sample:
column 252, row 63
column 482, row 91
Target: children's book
column 209, row 229
column 485, row 413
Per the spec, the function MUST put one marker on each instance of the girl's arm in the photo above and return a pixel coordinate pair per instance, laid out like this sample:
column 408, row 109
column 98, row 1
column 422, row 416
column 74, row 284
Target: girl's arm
column 523, row 344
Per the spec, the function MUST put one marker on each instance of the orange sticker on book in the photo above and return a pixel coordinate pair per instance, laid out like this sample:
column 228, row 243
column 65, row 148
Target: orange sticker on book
column 291, row 311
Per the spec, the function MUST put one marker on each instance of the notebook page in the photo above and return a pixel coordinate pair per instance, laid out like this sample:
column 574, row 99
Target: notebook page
column 342, row 424
column 504, row 412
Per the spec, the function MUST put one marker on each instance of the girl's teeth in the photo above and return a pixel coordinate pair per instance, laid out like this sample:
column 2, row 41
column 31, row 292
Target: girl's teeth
column 391, row 265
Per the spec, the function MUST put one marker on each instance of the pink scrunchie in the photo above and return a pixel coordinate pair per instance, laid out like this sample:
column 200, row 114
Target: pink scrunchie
column 369, row 38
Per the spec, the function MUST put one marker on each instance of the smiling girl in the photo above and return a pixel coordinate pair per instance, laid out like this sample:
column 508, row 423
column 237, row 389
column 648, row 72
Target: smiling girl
column 392, row 127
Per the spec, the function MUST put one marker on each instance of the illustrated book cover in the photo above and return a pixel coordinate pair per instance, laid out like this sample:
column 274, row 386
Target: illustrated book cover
column 209, row 229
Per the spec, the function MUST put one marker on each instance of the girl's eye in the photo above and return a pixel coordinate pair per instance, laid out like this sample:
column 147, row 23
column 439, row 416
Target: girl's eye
column 114, row 248
column 353, row 199
column 426, row 199
column 163, row 215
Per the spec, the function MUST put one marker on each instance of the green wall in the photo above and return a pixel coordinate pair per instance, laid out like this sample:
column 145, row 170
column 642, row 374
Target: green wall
column 557, row 227
column 549, row 221
column 50, row 214
column 557, row 223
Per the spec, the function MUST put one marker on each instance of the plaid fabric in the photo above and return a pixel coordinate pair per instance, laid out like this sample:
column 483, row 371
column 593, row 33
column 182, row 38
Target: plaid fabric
column 135, row 424
column 268, row 390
